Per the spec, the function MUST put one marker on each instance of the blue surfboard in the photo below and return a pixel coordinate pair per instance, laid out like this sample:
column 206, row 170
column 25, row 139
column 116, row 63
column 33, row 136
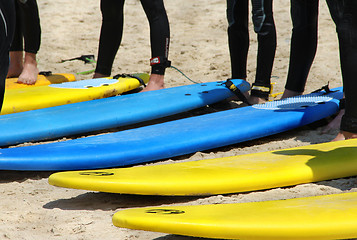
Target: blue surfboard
column 76, row 118
column 174, row 138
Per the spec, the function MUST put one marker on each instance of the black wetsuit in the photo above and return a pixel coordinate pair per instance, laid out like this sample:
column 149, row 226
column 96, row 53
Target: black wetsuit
column 238, row 39
column 344, row 14
column 112, row 31
column 7, row 27
column 28, row 27
column 304, row 16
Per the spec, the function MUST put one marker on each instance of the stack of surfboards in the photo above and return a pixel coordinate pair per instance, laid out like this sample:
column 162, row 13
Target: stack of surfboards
column 111, row 112
column 174, row 138
column 324, row 217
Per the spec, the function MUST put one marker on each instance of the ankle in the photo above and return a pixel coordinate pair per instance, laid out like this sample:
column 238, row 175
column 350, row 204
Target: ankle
column 30, row 58
column 156, row 82
column 99, row 75
column 289, row 93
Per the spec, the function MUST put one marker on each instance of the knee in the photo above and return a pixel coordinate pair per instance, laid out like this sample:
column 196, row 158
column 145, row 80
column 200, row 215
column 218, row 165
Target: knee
column 347, row 32
column 229, row 12
column 155, row 10
column 111, row 9
column 268, row 26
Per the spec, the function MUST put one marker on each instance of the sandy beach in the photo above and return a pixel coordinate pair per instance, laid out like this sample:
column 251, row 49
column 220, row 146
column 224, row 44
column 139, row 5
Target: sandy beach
column 33, row 209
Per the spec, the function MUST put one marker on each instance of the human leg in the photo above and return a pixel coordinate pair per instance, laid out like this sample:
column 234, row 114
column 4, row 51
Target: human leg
column 16, row 64
column 266, row 34
column 110, row 35
column 304, row 15
column 30, row 71
column 238, row 37
column 160, row 41
column 32, row 38
column 344, row 14
column 24, row 66
column 17, row 48
column 7, row 26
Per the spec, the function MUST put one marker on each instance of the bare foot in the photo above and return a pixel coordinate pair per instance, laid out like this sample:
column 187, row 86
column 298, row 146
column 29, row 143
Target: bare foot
column 288, row 93
column 99, row 75
column 335, row 123
column 156, row 82
column 256, row 100
column 342, row 135
column 30, row 71
column 16, row 64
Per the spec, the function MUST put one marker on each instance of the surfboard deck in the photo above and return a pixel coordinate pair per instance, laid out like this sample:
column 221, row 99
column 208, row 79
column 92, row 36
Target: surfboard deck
column 111, row 112
column 249, row 172
column 50, row 78
column 322, row 217
column 169, row 139
column 25, row 99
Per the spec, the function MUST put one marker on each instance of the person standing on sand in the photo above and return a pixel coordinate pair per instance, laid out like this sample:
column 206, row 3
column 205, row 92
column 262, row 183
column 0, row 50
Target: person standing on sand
column 111, row 36
column 238, row 40
column 344, row 14
column 7, row 26
column 27, row 36
column 304, row 15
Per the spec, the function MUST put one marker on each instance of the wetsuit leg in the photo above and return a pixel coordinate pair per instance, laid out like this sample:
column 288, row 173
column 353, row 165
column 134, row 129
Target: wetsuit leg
column 238, row 36
column 304, row 15
column 7, row 27
column 265, row 28
column 17, row 42
column 110, row 35
column 159, row 32
column 27, row 27
column 258, row 14
column 344, row 14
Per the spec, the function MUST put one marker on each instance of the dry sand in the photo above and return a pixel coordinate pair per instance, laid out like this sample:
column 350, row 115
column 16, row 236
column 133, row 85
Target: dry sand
column 33, row 209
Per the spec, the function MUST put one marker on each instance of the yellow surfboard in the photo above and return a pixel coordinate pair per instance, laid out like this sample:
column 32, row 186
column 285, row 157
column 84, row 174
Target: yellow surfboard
column 322, row 217
column 25, row 99
column 47, row 79
column 242, row 173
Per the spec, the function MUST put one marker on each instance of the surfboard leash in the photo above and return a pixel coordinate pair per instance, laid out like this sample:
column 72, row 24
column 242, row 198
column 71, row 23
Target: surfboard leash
column 230, row 85
column 325, row 88
column 45, row 73
column 183, row 74
column 86, row 59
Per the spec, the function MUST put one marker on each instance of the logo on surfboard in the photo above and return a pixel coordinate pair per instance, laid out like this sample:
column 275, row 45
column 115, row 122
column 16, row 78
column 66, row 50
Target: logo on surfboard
column 165, row 211
column 97, row 174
